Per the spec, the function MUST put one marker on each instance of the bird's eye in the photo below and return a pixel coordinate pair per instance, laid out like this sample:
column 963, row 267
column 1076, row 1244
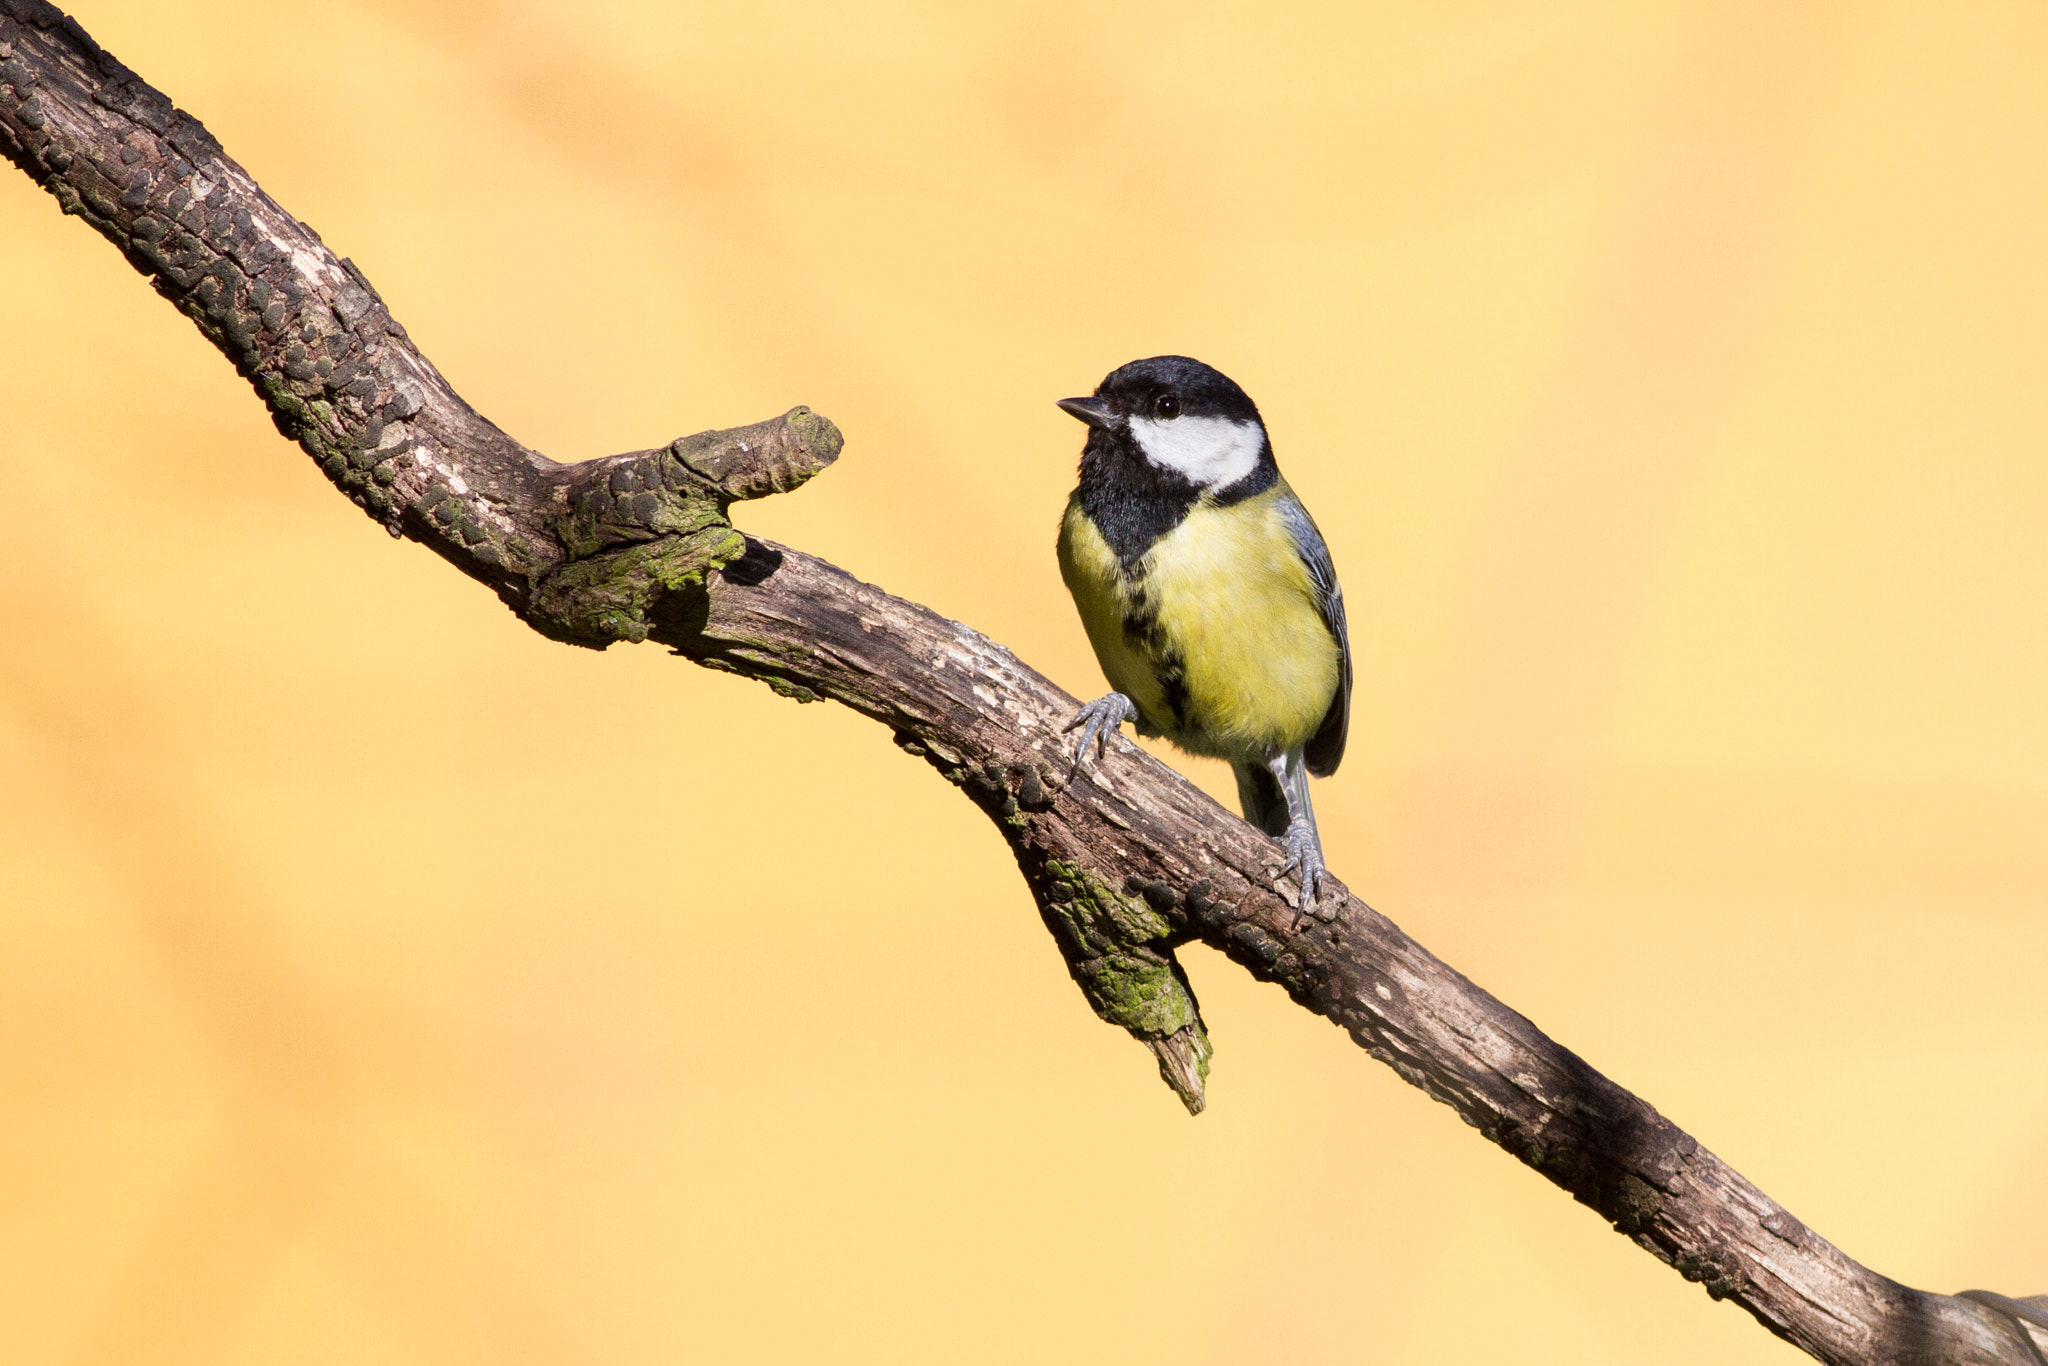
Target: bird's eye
column 1166, row 407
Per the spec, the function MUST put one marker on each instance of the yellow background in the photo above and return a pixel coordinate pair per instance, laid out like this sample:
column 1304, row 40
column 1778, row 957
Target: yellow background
column 380, row 983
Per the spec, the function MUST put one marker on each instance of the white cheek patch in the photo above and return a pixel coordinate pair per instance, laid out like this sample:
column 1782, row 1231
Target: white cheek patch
column 1211, row 451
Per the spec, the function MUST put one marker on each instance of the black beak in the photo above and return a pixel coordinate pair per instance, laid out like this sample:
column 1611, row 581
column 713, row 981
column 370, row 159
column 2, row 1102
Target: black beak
column 1092, row 411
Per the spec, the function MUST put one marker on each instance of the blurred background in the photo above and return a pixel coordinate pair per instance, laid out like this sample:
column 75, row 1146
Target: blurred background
column 380, row 983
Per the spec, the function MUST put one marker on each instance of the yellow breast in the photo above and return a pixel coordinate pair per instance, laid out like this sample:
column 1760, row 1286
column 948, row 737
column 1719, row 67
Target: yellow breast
column 1216, row 635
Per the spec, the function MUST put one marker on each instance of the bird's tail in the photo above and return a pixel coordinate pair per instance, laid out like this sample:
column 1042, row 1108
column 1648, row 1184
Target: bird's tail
column 1258, row 792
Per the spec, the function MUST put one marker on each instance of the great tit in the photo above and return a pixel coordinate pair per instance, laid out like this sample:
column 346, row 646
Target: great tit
column 1207, row 593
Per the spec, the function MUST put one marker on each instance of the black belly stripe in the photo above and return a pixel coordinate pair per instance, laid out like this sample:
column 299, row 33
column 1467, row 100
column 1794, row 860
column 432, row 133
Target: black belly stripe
column 1144, row 634
column 1173, row 686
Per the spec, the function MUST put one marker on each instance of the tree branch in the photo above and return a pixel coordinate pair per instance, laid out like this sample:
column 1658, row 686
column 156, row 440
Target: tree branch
column 1125, row 860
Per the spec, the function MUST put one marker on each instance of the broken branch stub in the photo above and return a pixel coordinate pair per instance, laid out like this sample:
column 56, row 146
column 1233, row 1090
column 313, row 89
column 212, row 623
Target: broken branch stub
column 633, row 528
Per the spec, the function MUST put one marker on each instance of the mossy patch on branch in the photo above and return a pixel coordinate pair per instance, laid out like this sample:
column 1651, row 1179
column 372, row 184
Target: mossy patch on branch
column 1114, row 948
column 606, row 597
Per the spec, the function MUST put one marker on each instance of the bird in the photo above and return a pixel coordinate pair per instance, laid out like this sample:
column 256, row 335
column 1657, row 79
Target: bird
column 1208, row 594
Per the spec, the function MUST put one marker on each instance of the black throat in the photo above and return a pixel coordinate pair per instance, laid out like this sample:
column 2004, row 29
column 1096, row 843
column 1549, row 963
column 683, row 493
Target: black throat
column 1134, row 502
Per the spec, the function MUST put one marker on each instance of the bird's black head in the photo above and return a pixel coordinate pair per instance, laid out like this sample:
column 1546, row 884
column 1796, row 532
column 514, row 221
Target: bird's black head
column 1182, row 420
column 1167, row 388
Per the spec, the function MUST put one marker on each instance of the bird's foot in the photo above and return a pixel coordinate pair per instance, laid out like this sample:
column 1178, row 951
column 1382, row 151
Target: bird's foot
column 1305, row 860
column 1098, row 721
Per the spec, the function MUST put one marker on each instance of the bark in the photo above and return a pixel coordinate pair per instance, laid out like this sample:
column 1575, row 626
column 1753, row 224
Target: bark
column 1125, row 860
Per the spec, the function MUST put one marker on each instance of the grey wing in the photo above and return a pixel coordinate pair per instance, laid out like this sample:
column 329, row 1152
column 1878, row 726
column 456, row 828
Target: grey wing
column 1326, row 748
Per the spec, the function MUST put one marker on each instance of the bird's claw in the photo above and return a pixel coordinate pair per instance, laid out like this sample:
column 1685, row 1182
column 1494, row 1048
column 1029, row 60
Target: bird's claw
column 1305, row 860
column 1099, row 719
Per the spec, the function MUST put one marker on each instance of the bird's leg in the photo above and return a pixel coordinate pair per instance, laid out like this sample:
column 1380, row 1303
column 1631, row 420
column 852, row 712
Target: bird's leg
column 1099, row 719
column 1303, row 845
